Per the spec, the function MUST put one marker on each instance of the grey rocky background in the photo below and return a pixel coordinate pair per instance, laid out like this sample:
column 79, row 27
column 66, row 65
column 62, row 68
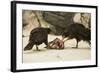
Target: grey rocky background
column 56, row 21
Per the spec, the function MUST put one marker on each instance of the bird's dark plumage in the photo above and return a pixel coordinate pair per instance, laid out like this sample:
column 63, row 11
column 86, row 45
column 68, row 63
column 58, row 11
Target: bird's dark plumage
column 38, row 36
column 77, row 31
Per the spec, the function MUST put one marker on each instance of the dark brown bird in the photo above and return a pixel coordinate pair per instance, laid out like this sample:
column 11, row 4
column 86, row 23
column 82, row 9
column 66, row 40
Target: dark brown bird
column 77, row 31
column 38, row 36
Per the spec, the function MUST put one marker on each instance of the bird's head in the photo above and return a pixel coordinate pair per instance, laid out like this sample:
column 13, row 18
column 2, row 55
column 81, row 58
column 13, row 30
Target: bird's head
column 65, row 35
column 48, row 30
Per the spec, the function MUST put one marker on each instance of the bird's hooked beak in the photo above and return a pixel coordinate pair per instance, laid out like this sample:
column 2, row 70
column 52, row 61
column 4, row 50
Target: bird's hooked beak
column 63, row 37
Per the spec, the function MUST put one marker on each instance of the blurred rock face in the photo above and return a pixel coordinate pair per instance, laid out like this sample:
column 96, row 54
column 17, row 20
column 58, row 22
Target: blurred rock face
column 30, row 21
column 57, row 21
column 61, row 20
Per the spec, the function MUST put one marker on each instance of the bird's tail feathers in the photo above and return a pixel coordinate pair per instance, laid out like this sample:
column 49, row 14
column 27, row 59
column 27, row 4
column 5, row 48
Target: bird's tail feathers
column 28, row 46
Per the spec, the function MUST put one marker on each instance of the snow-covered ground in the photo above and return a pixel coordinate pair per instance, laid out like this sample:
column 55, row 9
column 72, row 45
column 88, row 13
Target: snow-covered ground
column 50, row 55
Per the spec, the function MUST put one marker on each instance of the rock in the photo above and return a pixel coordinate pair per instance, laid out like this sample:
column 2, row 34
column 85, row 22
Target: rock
column 58, row 20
